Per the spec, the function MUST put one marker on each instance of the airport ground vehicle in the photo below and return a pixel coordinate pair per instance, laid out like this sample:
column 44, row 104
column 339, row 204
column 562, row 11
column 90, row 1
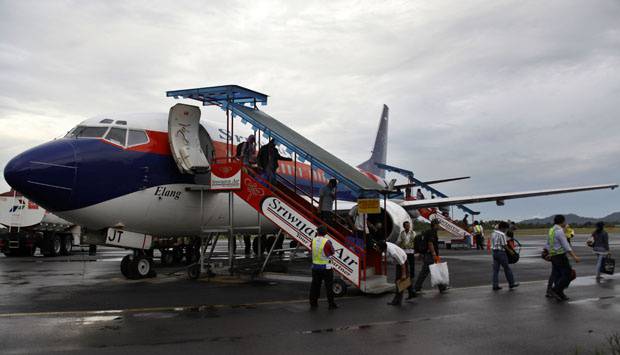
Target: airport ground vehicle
column 28, row 227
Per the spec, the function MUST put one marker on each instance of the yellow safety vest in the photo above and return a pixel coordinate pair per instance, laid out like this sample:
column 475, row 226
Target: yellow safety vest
column 318, row 254
column 551, row 240
column 478, row 229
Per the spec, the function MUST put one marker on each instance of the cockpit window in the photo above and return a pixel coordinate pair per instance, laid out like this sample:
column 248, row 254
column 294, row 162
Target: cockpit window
column 117, row 136
column 87, row 132
column 136, row 138
column 124, row 123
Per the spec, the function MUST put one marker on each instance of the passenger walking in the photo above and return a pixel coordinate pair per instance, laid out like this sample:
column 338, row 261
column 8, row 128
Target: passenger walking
column 430, row 254
column 327, row 195
column 557, row 247
column 399, row 257
column 268, row 158
column 322, row 271
column 419, row 195
column 406, row 241
column 600, row 246
column 359, row 222
column 246, row 151
column 479, row 235
column 498, row 245
column 464, row 221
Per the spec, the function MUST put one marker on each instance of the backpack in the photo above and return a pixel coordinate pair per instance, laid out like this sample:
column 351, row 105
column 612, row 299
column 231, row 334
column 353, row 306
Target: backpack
column 418, row 244
column 240, row 148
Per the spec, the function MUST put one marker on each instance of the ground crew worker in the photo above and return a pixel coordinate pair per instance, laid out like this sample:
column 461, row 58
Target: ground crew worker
column 478, row 235
column 430, row 255
column 419, row 195
column 322, row 250
column 406, row 241
column 499, row 242
column 570, row 233
column 561, row 270
column 399, row 256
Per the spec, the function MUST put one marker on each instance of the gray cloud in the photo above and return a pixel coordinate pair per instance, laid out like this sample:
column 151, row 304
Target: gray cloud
column 520, row 95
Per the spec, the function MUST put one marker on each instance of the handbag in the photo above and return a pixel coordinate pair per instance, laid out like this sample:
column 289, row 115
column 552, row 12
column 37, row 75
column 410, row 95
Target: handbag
column 403, row 284
column 545, row 255
column 590, row 241
column 512, row 255
column 608, row 265
column 439, row 274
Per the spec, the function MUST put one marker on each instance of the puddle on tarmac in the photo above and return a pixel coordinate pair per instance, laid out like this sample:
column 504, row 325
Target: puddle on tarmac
column 97, row 319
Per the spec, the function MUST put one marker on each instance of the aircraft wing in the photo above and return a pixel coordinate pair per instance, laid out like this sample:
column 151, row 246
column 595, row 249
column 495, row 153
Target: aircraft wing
column 498, row 198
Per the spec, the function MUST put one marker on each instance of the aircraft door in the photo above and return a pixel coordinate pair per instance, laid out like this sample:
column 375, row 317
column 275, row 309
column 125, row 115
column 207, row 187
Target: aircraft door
column 184, row 137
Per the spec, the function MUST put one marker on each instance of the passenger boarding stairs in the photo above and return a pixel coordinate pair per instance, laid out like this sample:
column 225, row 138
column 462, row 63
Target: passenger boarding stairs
column 280, row 202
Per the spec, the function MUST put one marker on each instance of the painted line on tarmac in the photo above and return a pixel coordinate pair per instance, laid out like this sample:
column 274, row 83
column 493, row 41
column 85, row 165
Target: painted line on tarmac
column 194, row 308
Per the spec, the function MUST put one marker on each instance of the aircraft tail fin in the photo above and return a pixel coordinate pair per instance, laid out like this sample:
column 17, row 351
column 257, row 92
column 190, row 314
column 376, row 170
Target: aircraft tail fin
column 379, row 151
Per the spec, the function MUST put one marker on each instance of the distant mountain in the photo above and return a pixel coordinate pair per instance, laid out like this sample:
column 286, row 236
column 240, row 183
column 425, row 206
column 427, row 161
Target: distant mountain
column 571, row 218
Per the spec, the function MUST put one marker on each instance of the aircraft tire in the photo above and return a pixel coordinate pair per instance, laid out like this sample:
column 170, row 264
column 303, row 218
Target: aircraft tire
column 66, row 244
column 339, row 287
column 193, row 272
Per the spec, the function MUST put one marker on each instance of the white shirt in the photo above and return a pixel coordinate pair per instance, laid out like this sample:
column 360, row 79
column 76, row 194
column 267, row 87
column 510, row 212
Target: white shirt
column 405, row 241
column 394, row 252
column 360, row 219
column 498, row 240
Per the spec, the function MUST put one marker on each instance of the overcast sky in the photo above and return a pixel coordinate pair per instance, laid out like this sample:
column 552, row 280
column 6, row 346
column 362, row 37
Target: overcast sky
column 519, row 95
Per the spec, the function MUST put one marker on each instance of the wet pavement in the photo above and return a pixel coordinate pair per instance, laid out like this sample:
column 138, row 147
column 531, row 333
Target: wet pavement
column 81, row 304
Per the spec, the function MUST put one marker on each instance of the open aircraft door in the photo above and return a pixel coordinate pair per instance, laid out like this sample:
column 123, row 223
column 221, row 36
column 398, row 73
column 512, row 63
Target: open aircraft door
column 184, row 137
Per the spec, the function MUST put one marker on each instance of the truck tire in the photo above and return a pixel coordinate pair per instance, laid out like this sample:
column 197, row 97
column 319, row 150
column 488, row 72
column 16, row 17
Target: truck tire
column 339, row 287
column 167, row 257
column 127, row 259
column 193, row 272
column 52, row 245
column 66, row 244
column 141, row 267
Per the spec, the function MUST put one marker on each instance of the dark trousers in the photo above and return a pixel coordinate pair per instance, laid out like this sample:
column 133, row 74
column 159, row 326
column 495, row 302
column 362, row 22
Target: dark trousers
column 318, row 276
column 327, row 216
column 501, row 259
column 427, row 261
column 479, row 242
column 247, row 242
column 411, row 262
column 560, row 272
column 398, row 296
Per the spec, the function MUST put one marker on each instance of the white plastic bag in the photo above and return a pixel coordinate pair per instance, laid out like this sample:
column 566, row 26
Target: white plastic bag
column 439, row 274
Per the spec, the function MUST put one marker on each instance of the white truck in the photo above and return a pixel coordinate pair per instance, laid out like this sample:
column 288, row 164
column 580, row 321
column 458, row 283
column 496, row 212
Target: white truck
column 28, row 226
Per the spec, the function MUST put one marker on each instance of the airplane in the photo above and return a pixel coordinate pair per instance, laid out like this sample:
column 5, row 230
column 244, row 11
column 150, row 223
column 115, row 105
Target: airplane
column 121, row 174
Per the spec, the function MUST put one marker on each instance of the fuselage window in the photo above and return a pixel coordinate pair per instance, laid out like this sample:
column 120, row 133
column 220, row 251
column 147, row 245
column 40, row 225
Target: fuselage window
column 136, row 138
column 87, row 132
column 106, row 121
column 124, row 123
column 117, row 136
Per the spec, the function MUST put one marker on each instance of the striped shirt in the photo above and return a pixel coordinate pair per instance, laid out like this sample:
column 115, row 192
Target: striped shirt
column 498, row 240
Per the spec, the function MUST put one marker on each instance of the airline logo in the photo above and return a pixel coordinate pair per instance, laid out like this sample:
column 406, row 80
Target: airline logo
column 226, row 176
column 295, row 225
column 20, row 206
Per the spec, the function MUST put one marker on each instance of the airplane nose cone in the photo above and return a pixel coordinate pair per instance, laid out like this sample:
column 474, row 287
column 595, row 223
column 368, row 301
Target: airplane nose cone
column 45, row 174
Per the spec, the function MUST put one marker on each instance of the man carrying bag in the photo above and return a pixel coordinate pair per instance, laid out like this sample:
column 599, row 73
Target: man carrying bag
column 402, row 279
column 430, row 256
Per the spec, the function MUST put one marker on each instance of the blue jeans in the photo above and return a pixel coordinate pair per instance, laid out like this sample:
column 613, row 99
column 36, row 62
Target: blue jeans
column 500, row 258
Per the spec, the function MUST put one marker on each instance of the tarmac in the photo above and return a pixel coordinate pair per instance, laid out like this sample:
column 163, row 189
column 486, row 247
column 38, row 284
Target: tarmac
column 81, row 304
